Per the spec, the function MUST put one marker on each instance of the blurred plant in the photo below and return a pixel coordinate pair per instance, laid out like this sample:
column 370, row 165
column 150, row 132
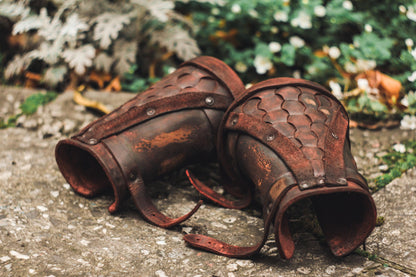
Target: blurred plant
column 28, row 107
column 398, row 160
column 64, row 42
column 333, row 41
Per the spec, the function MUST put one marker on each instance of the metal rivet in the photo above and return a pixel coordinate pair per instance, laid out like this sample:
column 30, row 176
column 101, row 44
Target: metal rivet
column 270, row 137
column 321, row 181
column 234, row 121
column 209, row 100
column 304, row 185
column 342, row 181
column 334, row 135
column 150, row 111
column 92, row 141
column 132, row 176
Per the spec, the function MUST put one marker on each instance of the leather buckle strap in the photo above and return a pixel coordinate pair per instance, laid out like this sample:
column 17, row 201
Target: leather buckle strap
column 216, row 197
column 148, row 210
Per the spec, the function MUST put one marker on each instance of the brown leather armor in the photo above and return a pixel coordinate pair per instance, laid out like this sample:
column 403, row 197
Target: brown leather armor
column 287, row 139
column 171, row 124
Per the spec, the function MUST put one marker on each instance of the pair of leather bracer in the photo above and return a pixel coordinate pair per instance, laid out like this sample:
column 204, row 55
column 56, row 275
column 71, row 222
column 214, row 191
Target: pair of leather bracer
column 287, row 140
column 171, row 124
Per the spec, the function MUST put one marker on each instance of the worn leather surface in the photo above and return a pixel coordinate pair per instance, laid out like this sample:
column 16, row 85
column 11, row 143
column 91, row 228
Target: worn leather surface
column 171, row 124
column 289, row 138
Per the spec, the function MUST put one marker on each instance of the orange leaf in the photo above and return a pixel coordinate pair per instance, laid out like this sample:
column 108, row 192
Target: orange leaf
column 114, row 85
column 320, row 54
column 100, row 78
column 389, row 88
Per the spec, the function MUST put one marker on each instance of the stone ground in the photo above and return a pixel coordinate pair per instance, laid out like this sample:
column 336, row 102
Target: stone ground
column 48, row 230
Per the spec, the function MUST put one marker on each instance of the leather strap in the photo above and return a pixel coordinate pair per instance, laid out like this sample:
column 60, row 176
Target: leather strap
column 148, row 210
column 216, row 197
column 215, row 246
column 138, row 114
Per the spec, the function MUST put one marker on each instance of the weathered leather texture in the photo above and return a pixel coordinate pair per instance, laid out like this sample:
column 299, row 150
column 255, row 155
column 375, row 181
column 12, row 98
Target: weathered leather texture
column 289, row 137
column 171, row 124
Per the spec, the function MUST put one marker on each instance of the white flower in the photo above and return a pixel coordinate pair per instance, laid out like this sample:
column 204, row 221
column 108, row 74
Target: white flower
column 413, row 53
column 319, row 11
column 334, row 52
column 296, row 41
column 409, row 42
column 350, row 67
column 253, row 13
column 296, row 74
column 215, row 11
column 347, row 5
column 408, row 122
column 171, row 69
column 383, row 167
column 405, row 101
column 399, row 147
column 274, row 30
column 336, row 89
column 281, row 16
column 274, row 47
column 363, row 84
column 236, row 8
column 302, row 21
column 402, row 9
column 364, row 65
column 411, row 14
column 368, row 28
column 241, row 67
column 262, row 64
column 412, row 77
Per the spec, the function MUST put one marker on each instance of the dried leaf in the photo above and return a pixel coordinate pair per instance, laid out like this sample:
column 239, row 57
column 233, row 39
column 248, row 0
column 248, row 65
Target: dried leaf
column 100, row 78
column 55, row 75
column 108, row 26
column 81, row 100
column 114, row 85
column 80, row 58
column 389, row 88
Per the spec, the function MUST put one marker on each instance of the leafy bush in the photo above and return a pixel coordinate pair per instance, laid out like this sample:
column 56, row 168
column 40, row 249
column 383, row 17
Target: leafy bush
column 332, row 42
column 364, row 51
column 63, row 40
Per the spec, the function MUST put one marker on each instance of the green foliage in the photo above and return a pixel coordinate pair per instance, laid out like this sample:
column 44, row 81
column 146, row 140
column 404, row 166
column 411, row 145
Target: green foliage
column 29, row 106
column 398, row 160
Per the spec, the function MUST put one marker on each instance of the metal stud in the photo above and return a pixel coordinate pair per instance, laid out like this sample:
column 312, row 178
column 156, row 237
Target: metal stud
column 234, row 121
column 132, row 176
column 270, row 137
column 321, row 181
column 92, row 141
column 150, row 111
column 342, row 181
column 209, row 100
column 304, row 185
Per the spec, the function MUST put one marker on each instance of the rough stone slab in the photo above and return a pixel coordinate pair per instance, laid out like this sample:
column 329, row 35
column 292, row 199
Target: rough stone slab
column 48, row 230
column 395, row 240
